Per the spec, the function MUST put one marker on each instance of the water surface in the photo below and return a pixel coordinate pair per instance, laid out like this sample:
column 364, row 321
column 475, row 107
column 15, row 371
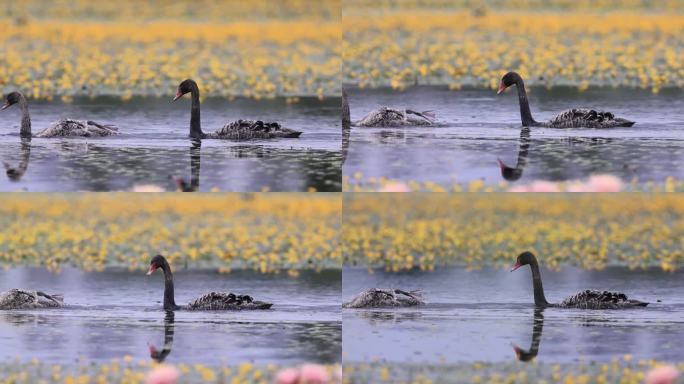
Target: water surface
column 116, row 313
column 479, row 126
column 482, row 315
column 154, row 144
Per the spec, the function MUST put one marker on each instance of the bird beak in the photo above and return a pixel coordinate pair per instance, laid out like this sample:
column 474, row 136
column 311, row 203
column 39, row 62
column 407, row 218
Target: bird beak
column 151, row 270
column 4, row 106
column 502, row 165
column 502, row 88
column 516, row 266
column 178, row 95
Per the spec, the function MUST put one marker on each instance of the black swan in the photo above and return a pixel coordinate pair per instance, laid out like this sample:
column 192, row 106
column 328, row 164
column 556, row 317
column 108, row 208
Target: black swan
column 388, row 117
column 511, row 173
column 571, row 118
column 160, row 355
column 378, row 298
column 588, row 299
column 63, row 128
column 213, row 301
column 537, row 327
column 21, row 299
column 236, row 130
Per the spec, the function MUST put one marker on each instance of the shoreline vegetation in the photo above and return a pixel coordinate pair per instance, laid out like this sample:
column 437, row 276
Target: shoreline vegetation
column 400, row 232
column 267, row 233
column 609, row 43
column 128, row 49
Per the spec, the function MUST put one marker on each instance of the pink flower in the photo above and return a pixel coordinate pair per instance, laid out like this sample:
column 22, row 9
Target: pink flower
column 604, row 183
column 288, row 376
column 544, row 186
column 163, row 374
column 664, row 374
column 394, row 186
column 314, row 374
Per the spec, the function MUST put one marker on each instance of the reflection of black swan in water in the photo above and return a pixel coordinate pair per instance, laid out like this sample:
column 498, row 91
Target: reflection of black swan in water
column 376, row 298
column 237, row 130
column 538, row 325
column 21, row 299
column 571, row 118
column 588, row 299
column 346, row 125
column 64, row 127
column 156, row 354
column 214, row 301
column 195, row 162
column 16, row 173
column 513, row 174
column 388, row 117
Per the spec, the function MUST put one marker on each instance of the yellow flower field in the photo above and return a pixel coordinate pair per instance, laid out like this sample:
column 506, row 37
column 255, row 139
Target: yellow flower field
column 127, row 370
column 590, row 231
column 263, row 232
column 619, row 370
column 129, row 48
column 605, row 43
column 359, row 183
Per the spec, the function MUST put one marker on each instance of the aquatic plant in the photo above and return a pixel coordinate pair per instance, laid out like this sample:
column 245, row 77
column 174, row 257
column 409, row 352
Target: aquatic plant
column 77, row 48
column 402, row 231
column 609, row 43
column 263, row 232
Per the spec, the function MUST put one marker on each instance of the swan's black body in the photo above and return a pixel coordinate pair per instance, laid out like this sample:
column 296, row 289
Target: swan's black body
column 571, row 118
column 236, row 130
column 214, row 301
column 22, row 299
column 63, row 128
column 588, row 299
column 391, row 117
column 378, row 298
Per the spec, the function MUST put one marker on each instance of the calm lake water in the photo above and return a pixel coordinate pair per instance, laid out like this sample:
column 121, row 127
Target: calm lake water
column 482, row 315
column 117, row 313
column 479, row 126
column 154, row 144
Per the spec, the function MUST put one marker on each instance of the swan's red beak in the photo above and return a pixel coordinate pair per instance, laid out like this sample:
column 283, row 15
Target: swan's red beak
column 178, row 95
column 516, row 266
column 502, row 165
column 502, row 88
column 152, row 269
column 4, row 106
column 517, row 350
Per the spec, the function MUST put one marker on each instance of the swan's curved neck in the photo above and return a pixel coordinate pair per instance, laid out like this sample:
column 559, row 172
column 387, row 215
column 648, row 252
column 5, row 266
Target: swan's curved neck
column 169, row 301
column 539, row 298
column 25, row 118
column 525, row 113
column 195, row 126
column 346, row 125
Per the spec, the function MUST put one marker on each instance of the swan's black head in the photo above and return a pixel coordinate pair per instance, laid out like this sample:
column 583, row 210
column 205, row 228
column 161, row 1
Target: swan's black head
column 509, row 173
column 524, row 258
column 157, row 262
column 10, row 99
column 184, row 87
column 509, row 79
